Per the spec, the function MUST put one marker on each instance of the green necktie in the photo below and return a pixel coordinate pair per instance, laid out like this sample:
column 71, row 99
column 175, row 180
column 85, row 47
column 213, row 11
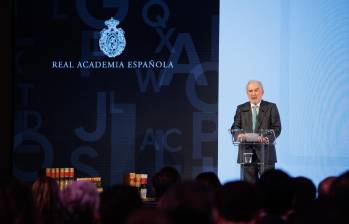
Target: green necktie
column 254, row 117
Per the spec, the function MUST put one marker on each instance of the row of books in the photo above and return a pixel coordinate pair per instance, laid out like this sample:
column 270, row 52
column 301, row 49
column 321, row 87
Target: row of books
column 57, row 173
column 138, row 180
column 63, row 175
column 66, row 175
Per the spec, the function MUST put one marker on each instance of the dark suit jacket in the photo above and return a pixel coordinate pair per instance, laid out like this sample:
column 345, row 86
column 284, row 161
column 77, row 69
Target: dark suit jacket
column 268, row 118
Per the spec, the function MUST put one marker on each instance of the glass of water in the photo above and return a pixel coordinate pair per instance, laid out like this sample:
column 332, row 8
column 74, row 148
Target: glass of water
column 248, row 157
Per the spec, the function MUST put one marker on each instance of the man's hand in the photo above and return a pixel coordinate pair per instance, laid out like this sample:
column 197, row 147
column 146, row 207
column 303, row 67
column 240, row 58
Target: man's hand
column 241, row 137
column 264, row 140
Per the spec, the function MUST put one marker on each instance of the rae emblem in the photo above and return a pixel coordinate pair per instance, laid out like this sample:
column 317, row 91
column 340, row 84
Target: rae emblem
column 112, row 41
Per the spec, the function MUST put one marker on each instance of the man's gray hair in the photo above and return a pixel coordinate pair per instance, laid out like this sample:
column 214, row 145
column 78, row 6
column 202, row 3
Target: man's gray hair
column 254, row 81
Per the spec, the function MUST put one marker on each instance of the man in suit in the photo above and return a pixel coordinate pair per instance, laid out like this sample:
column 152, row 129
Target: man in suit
column 254, row 117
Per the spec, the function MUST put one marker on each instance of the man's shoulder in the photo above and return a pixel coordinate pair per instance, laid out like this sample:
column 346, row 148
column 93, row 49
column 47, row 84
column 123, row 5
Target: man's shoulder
column 248, row 104
column 267, row 103
column 245, row 105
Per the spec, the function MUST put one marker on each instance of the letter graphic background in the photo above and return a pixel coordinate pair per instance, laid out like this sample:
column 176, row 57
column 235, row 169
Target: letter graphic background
column 105, row 121
column 153, row 105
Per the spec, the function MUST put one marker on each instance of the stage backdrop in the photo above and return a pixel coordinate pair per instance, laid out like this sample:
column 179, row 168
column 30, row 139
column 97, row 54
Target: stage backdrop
column 110, row 87
column 300, row 51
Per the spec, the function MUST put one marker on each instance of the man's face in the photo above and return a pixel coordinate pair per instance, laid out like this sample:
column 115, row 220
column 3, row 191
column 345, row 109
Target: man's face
column 254, row 92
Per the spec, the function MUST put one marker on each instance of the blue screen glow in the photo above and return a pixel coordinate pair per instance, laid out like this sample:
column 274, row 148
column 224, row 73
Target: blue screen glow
column 300, row 51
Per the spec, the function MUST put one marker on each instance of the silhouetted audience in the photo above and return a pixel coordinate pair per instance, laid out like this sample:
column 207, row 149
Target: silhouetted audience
column 188, row 202
column 339, row 193
column 323, row 212
column 5, row 210
column 276, row 190
column 276, row 198
column 237, row 202
column 304, row 195
column 164, row 179
column 324, row 187
column 80, row 201
column 118, row 202
column 148, row 216
column 47, row 204
column 16, row 202
column 210, row 179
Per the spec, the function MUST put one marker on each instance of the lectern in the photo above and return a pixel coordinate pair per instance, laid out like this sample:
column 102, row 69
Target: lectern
column 254, row 148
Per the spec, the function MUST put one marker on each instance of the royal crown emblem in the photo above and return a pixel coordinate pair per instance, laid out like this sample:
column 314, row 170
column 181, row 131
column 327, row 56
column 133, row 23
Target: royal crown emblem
column 112, row 41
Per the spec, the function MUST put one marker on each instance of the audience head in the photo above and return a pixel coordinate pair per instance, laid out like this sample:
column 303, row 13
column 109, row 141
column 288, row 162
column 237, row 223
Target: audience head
column 304, row 191
column 324, row 187
column 16, row 202
column 164, row 179
column 209, row 179
column 81, row 202
column 5, row 209
column 276, row 191
column 118, row 202
column 237, row 202
column 188, row 202
column 47, row 202
column 339, row 193
column 148, row 216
